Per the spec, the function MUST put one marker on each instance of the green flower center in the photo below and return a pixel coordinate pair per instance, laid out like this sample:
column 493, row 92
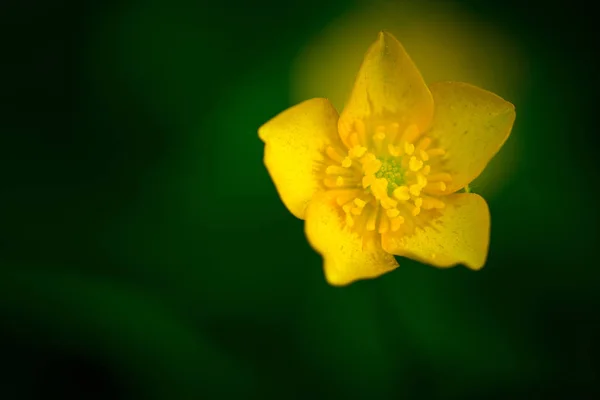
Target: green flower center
column 392, row 171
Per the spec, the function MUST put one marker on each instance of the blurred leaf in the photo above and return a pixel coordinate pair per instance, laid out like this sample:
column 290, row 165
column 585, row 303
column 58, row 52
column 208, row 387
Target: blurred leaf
column 145, row 341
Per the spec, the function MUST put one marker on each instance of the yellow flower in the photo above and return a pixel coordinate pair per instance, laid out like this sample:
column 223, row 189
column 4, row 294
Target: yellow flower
column 381, row 179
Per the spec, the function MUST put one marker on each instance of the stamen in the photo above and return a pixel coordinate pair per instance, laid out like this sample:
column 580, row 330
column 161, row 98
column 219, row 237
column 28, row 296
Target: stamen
column 349, row 220
column 401, row 193
column 336, row 170
column 384, row 224
column 388, row 203
column 436, row 152
column 393, row 212
column 395, row 173
column 441, row 186
column 371, row 221
column 414, row 210
column 424, row 143
column 415, row 189
column 379, row 188
column 411, row 133
column 396, row 222
column 393, row 132
column 359, row 202
column 368, row 180
column 345, row 197
column 443, row 177
column 357, row 151
column 431, row 202
column 394, row 150
column 333, row 154
column 379, row 137
column 371, row 167
column 359, row 126
column 414, row 164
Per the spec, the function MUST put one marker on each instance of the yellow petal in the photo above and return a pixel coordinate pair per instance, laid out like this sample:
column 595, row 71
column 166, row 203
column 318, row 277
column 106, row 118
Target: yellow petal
column 471, row 125
column 388, row 86
column 460, row 235
column 295, row 141
column 346, row 256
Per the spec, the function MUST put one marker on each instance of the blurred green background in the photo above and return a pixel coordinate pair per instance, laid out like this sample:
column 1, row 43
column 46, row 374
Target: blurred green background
column 145, row 253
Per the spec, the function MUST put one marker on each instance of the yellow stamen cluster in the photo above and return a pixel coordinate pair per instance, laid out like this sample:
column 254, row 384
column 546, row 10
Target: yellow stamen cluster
column 382, row 179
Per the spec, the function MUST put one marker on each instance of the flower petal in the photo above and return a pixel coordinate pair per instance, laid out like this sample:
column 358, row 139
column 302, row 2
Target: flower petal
column 347, row 256
column 460, row 235
column 471, row 125
column 388, row 85
column 295, row 141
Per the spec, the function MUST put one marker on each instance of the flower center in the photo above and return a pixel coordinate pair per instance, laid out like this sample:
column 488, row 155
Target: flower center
column 384, row 180
column 391, row 170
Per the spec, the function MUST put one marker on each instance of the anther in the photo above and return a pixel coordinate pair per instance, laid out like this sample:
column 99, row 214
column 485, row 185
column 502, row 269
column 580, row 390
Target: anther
column 371, row 167
column 401, row 193
column 414, row 164
column 415, row 189
column 396, row 222
column 359, row 202
column 393, row 212
column 357, row 151
column 388, row 203
column 368, row 180
column 346, row 162
column 409, row 148
column 379, row 188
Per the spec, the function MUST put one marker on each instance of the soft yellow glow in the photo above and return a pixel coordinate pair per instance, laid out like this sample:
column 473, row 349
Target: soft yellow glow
column 381, row 180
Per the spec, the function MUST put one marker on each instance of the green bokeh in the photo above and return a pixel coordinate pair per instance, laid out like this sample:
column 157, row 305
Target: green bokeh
column 146, row 253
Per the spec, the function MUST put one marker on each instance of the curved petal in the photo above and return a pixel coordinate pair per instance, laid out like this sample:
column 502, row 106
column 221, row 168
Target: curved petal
column 388, row 85
column 471, row 125
column 460, row 235
column 347, row 256
column 294, row 146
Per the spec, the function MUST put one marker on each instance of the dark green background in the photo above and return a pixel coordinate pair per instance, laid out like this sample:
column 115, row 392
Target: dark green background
column 145, row 254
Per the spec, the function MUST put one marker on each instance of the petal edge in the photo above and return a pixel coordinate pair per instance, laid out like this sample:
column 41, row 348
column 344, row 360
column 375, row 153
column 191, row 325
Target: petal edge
column 346, row 257
column 459, row 235
column 295, row 141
